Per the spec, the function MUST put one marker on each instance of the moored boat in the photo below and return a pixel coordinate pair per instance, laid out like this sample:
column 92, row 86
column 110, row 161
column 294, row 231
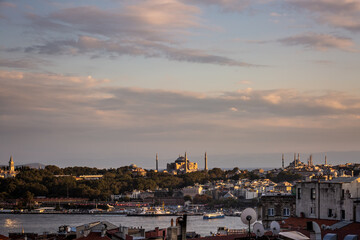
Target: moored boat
column 213, row 215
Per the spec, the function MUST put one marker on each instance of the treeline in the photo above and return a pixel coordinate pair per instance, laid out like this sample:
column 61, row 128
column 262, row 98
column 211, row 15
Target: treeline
column 45, row 182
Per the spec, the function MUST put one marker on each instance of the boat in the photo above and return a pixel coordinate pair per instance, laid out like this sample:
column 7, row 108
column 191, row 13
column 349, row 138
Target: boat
column 151, row 212
column 213, row 215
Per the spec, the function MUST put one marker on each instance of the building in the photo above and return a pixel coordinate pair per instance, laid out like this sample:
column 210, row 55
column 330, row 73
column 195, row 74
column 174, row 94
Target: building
column 182, row 165
column 296, row 163
column 137, row 171
column 337, row 199
column 10, row 171
column 192, row 191
column 284, row 187
column 276, row 207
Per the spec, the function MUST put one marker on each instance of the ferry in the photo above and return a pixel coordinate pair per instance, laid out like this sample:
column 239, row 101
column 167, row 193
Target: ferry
column 213, row 215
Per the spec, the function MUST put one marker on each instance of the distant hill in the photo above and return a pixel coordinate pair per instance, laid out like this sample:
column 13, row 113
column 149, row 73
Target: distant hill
column 32, row 165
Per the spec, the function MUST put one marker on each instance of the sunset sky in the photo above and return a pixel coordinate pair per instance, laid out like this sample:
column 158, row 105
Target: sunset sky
column 109, row 83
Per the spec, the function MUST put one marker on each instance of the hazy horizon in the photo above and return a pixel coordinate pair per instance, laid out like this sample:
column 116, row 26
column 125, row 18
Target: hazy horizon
column 228, row 161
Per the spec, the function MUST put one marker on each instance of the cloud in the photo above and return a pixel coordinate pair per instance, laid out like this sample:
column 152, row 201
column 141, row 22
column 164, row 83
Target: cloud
column 336, row 13
column 227, row 5
column 94, row 46
column 149, row 28
column 7, row 5
column 321, row 42
column 231, row 5
column 20, row 63
column 89, row 100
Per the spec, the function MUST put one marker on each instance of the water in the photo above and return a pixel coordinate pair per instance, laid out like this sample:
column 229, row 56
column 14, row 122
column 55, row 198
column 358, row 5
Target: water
column 40, row 223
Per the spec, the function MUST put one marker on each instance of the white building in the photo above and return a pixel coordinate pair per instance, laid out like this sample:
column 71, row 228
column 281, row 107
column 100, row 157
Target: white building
column 337, row 199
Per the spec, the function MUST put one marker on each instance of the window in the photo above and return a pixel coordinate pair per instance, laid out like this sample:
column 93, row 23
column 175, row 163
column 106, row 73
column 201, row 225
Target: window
column 286, row 212
column 270, row 212
column 330, row 212
column 343, row 193
column 311, row 210
column 342, row 214
column 313, row 193
column 299, row 193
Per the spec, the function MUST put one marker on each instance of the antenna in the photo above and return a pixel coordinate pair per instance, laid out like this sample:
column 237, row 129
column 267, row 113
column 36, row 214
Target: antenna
column 248, row 216
column 258, row 229
column 275, row 227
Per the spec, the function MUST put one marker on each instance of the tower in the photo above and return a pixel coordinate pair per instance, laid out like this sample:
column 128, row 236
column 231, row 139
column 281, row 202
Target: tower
column 11, row 165
column 283, row 165
column 157, row 163
column 206, row 167
column 186, row 163
column 311, row 161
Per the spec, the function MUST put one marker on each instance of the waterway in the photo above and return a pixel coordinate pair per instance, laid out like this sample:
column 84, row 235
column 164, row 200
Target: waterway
column 39, row 223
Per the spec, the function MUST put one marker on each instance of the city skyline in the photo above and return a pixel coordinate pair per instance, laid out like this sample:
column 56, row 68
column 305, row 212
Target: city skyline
column 101, row 83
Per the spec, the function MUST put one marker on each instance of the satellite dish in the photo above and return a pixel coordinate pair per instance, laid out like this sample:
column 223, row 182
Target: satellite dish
column 275, row 227
column 248, row 216
column 258, row 229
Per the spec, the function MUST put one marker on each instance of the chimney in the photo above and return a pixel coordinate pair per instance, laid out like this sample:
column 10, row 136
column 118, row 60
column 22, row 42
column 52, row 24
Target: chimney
column 182, row 221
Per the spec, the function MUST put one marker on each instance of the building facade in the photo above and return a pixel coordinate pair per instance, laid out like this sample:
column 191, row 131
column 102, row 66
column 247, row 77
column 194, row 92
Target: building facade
column 276, row 207
column 337, row 199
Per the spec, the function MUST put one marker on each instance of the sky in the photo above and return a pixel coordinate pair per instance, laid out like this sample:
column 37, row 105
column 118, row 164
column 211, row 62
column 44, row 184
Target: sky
column 109, row 83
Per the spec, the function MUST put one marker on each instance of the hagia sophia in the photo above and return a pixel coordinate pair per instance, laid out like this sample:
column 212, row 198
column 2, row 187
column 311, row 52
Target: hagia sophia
column 183, row 165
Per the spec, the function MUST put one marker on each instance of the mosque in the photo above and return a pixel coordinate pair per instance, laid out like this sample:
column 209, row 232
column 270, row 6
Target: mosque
column 10, row 171
column 183, row 165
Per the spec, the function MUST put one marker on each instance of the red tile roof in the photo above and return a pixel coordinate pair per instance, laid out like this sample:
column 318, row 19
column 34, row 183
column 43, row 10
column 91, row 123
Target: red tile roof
column 2, row 237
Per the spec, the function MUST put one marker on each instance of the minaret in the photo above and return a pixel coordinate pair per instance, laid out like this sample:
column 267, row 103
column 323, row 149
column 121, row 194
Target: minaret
column 311, row 161
column 295, row 162
column 206, row 167
column 325, row 160
column 157, row 163
column 186, row 163
column 283, row 165
column 11, row 165
column 298, row 159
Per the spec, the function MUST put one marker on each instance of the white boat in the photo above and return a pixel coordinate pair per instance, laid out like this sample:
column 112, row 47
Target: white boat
column 213, row 215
